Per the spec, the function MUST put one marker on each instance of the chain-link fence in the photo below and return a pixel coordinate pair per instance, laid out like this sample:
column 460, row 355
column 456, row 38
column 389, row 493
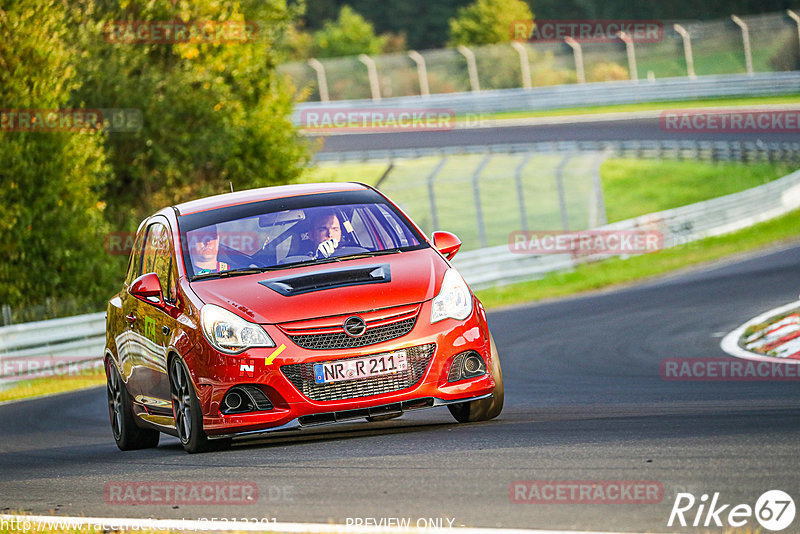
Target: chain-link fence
column 771, row 43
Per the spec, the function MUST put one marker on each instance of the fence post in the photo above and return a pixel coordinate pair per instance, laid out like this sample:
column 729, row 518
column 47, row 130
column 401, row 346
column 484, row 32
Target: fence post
column 322, row 81
column 523, row 214
column 372, row 72
column 477, row 192
column 634, row 71
column 7, row 316
column 687, row 50
column 472, row 67
column 562, row 200
column 748, row 56
column 422, row 72
column 578, row 53
column 524, row 66
column 431, row 195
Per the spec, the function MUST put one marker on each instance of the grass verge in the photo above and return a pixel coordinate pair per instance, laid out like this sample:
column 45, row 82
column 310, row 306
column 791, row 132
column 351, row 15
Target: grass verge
column 617, row 271
column 51, row 385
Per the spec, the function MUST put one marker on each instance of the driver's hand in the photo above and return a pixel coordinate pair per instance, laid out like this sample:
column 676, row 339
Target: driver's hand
column 326, row 248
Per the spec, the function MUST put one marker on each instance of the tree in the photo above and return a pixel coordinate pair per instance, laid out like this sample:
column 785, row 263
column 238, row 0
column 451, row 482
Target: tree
column 51, row 217
column 348, row 35
column 214, row 112
column 487, row 22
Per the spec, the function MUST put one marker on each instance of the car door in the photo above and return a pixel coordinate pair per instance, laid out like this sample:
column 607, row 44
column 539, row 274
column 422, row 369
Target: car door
column 151, row 325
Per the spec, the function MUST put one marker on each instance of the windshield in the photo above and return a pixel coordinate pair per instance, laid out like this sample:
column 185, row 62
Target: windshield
column 266, row 240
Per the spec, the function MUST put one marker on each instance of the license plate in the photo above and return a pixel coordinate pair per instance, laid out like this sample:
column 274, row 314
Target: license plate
column 382, row 364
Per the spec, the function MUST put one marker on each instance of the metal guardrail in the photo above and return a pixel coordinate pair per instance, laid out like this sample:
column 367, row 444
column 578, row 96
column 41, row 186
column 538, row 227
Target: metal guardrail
column 42, row 348
column 580, row 95
column 678, row 226
column 690, row 150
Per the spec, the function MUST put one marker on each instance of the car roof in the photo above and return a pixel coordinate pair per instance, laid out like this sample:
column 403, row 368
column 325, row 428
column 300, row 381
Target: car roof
column 264, row 193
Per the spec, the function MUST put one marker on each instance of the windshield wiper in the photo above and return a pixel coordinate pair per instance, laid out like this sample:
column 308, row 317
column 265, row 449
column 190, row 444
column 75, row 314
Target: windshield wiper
column 368, row 254
column 232, row 272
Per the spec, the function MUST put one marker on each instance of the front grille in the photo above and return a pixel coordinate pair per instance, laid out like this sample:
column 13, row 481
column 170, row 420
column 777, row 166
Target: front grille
column 340, row 340
column 302, row 376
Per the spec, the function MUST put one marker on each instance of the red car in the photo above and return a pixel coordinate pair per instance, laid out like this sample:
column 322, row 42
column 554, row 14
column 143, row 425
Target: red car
column 284, row 308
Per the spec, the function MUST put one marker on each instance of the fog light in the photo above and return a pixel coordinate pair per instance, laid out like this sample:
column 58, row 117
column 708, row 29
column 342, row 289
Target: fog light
column 466, row 365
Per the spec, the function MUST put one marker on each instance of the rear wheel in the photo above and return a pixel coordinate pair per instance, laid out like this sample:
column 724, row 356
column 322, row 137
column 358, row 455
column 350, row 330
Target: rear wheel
column 484, row 409
column 123, row 423
column 186, row 410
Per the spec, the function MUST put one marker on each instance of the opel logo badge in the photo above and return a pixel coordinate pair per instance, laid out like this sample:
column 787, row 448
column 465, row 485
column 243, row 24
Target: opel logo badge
column 354, row 326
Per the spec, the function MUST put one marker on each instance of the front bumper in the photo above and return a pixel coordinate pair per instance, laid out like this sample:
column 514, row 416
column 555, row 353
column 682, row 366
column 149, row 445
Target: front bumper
column 330, row 418
column 215, row 374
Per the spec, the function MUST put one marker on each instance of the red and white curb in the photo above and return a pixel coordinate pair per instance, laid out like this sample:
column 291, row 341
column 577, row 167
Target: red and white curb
column 44, row 523
column 783, row 336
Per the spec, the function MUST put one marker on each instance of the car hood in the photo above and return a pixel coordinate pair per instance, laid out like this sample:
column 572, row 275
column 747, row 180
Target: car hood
column 328, row 289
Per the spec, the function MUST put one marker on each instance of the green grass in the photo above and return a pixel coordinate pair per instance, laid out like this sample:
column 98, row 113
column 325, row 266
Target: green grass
column 637, row 187
column 616, row 271
column 51, row 385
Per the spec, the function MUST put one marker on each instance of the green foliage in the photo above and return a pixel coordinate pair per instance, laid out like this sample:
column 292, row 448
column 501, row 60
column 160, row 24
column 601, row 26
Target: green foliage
column 487, row 22
column 788, row 55
column 213, row 112
column 51, row 217
column 607, row 71
column 350, row 34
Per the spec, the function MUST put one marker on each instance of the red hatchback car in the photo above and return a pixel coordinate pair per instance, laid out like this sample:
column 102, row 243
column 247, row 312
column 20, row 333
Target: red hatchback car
column 289, row 307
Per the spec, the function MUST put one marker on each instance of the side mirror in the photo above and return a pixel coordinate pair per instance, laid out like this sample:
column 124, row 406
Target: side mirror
column 148, row 288
column 446, row 243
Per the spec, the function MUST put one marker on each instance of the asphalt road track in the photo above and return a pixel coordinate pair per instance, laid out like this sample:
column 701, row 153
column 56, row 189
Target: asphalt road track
column 584, row 401
column 596, row 130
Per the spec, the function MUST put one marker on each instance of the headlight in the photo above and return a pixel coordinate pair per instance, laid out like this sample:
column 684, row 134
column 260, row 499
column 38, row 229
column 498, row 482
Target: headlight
column 230, row 333
column 454, row 300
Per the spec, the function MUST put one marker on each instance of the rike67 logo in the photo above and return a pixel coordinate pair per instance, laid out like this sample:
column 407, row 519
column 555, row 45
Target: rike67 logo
column 774, row 510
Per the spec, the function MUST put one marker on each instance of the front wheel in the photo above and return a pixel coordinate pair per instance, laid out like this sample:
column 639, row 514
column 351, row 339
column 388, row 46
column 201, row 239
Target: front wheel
column 484, row 409
column 123, row 424
column 186, row 410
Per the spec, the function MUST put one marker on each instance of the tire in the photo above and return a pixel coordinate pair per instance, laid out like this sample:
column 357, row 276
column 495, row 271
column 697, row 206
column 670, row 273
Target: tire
column 484, row 409
column 187, row 413
column 123, row 422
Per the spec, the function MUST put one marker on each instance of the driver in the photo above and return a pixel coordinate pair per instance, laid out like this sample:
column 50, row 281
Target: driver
column 326, row 233
column 204, row 250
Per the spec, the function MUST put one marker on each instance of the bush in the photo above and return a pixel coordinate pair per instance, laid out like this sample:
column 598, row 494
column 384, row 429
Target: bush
column 607, row 71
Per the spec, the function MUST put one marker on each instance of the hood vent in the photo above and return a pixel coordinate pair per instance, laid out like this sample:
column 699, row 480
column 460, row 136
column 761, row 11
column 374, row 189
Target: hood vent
column 317, row 281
